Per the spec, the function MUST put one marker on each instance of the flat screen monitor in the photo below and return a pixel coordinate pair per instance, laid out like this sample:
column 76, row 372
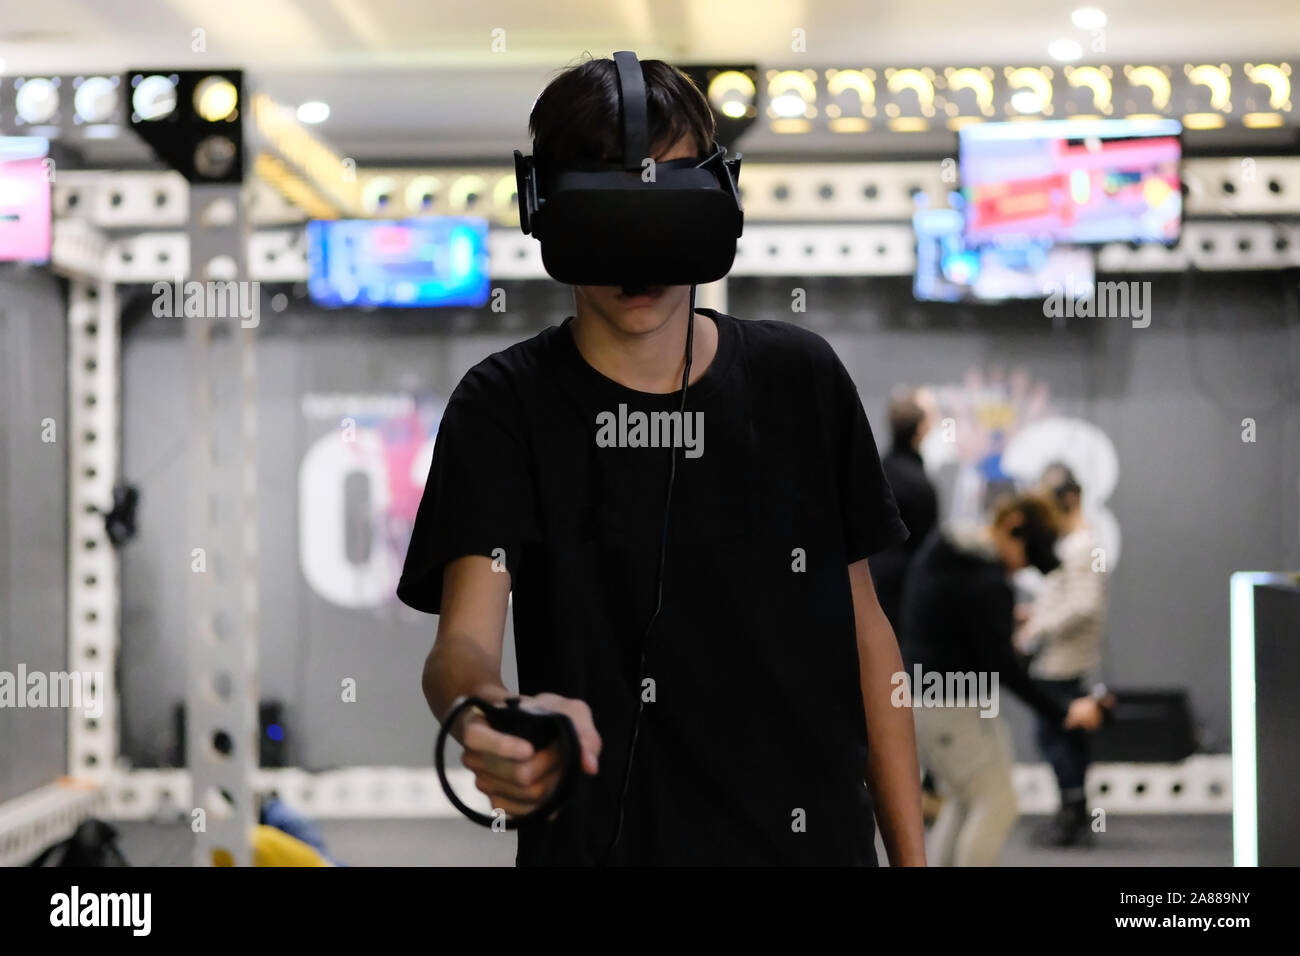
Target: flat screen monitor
column 24, row 199
column 412, row 263
column 948, row 270
column 1072, row 181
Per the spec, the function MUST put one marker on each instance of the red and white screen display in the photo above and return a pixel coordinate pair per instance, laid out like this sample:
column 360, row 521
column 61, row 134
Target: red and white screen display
column 1072, row 181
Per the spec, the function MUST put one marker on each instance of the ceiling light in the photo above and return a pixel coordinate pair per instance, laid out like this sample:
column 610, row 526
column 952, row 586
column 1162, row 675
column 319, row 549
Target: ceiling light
column 215, row 98
column 313, row 112
column 96, row 99
column 732, row 94
column 789, row 105
column 1064, row 51
column 1026, row 101
column 154, row 97
column 1088, row 18
column 214, row 157
column 37, row 101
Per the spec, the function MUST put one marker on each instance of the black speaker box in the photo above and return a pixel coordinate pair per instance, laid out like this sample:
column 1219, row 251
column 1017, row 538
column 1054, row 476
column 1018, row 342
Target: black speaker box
column 1146, row 726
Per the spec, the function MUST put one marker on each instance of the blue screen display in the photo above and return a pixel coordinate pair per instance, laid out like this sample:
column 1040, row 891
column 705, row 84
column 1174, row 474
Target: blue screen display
column 949, row 270
column 413, row 263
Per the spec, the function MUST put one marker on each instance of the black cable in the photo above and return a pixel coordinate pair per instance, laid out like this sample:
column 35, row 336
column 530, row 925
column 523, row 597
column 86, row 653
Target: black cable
column 540, row 728
column 659, row 588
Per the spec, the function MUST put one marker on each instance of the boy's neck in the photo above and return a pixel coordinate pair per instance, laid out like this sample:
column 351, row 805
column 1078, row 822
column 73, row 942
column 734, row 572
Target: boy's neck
column 648, row 361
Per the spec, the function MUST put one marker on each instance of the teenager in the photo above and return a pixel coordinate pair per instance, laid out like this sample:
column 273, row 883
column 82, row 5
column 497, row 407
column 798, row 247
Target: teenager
column 766, row 734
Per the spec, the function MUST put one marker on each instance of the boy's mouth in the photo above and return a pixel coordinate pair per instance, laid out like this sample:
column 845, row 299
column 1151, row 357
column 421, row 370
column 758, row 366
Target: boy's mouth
column 640, row 293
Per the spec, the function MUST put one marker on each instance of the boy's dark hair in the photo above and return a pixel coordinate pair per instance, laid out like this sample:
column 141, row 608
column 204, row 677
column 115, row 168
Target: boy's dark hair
column 577, row 118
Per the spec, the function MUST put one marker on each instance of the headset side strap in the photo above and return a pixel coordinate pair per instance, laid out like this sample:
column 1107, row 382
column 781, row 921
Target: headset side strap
column 636, row 125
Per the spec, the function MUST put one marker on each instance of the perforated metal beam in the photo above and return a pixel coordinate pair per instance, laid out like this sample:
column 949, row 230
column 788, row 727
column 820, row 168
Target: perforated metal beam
column 1199, row 785
column 221, row 701
column 1266, row 186
column 94, row 436
column 41, row 817
column 793, row 250
column 77, row 250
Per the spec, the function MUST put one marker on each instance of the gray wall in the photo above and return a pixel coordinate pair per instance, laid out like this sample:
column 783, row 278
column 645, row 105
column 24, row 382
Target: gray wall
column 1194, row 503
column 33, row 525
column 307, row 645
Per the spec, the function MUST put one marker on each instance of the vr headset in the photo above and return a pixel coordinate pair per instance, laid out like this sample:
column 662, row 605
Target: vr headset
column 625, row 224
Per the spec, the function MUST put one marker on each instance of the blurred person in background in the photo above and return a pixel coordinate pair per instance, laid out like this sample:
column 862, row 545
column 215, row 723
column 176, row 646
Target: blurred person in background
column 958, row 619
column 1061, row 630
column 911, row 413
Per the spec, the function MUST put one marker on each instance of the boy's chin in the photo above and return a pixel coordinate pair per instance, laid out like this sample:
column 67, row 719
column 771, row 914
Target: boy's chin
column 639, row 320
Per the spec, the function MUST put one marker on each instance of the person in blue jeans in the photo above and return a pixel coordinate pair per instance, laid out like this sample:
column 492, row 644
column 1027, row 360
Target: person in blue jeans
column 1062, row 630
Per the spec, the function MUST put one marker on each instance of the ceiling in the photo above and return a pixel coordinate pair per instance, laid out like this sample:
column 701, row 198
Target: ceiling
column 412, row 79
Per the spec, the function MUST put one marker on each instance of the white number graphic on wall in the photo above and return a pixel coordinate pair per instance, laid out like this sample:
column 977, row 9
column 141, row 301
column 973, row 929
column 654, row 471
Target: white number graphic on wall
column 323, row 524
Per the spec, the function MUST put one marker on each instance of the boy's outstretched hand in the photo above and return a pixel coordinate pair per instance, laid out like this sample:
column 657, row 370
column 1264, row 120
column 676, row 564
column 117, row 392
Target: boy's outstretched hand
column 515, row 777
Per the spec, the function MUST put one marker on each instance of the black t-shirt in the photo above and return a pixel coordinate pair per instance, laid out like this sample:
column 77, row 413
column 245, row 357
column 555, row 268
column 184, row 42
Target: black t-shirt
column 754, row 749
column 919, row 508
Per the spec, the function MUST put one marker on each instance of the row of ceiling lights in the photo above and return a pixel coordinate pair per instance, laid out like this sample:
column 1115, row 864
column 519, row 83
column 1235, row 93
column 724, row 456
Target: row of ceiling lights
column 95, row 99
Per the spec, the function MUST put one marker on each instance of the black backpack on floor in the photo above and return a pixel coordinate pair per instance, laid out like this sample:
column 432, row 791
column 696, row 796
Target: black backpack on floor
column 93, row 844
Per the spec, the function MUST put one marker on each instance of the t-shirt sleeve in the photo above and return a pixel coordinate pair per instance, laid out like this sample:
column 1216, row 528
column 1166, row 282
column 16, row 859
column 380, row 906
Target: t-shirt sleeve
column 870, row 515
column 478, row 497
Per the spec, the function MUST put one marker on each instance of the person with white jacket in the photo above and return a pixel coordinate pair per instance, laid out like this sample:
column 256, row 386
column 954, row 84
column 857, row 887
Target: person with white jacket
column 1062, row 631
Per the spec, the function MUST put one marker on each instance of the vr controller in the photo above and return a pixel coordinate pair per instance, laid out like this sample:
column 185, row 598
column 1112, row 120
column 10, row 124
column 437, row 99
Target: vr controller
column 541, row 728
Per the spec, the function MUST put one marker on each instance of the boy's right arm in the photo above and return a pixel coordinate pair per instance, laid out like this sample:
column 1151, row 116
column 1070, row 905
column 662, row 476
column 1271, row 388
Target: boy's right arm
column 466, row 660
column 466, row 655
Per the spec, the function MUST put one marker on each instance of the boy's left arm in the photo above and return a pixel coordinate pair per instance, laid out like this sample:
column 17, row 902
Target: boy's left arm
column 893, row 773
